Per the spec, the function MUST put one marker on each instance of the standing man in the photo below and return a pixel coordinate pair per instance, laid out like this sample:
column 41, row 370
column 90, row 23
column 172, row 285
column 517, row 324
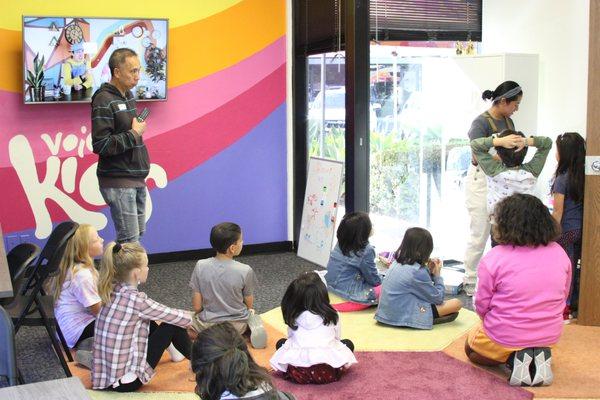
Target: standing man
column 123, row 162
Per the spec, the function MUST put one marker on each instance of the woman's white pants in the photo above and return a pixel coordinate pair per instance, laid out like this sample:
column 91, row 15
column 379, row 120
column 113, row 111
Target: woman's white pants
column 476, row 202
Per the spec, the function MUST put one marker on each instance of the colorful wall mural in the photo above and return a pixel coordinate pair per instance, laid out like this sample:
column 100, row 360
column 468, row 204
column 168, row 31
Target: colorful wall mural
column 217, row 145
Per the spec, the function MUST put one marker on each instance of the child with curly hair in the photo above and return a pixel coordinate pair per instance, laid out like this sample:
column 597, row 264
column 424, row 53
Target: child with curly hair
column 521, row 291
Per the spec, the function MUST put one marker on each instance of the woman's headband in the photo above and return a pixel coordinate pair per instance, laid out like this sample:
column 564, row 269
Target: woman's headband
column 511, row 93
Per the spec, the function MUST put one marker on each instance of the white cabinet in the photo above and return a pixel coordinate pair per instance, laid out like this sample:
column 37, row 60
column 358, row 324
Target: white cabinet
column 488, row 71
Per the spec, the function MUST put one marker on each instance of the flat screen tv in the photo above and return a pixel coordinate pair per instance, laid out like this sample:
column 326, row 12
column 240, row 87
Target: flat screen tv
column 65, row 59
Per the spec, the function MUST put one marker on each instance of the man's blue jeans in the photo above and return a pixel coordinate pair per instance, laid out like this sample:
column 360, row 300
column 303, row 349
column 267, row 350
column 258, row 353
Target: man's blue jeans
column 128, row 211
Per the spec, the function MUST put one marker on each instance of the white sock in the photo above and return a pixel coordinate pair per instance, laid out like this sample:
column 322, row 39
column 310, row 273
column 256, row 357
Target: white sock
column 176, row 356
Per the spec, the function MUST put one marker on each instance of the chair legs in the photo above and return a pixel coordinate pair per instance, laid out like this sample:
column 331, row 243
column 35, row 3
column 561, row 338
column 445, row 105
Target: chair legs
column 20, row 380
column 55, row 342
column 63, row 342
column 23, row 314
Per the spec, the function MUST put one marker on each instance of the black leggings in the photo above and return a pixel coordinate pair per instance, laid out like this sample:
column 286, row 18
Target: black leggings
column 88, row 332
column 161, row 336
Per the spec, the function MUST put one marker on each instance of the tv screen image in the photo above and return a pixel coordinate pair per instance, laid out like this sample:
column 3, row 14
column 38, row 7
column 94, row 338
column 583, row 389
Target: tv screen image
column 65, row 59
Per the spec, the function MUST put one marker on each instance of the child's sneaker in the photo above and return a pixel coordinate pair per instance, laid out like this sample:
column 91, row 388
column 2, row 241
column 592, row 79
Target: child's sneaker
column 84, row 358
column 520, row 375
column 175, row 355
column 469, row 289
column 543, row 372
column 86, row 344
column 445, row 319
column 258, row 335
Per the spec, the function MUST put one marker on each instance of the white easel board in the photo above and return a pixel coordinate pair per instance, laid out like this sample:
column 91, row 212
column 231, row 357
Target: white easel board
column 323, row 186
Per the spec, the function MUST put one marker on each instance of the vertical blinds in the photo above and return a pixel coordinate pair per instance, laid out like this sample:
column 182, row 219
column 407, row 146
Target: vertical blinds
column 319, row 24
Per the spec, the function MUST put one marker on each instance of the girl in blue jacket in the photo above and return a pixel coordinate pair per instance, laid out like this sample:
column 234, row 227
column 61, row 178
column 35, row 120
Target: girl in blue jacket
column 351, row 271
column 412, row 293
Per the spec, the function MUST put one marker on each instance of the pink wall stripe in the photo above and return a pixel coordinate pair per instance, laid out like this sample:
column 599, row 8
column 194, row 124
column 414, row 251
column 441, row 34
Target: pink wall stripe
column 185, row 103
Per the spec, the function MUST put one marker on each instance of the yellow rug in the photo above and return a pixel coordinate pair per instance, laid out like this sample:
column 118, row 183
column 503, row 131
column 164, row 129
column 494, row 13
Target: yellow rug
column 368, row 335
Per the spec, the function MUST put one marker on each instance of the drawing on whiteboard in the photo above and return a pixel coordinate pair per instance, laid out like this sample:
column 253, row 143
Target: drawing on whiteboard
column 320, row 207
column 328, row 219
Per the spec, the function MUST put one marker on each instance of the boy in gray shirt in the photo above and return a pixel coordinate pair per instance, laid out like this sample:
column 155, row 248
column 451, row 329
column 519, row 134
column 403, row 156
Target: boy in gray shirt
column 224, row 288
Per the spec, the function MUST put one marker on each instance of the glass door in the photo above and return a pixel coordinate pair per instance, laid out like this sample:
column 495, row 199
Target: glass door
column 327, row 111
column 419, row 147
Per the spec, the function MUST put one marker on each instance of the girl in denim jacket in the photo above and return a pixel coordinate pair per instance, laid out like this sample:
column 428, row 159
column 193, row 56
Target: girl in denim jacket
column 351, row 271
column 412, row 293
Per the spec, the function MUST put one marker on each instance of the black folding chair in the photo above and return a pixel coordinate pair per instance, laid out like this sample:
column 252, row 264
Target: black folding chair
column 8, row 359
column 31, row 306
column 19, row 259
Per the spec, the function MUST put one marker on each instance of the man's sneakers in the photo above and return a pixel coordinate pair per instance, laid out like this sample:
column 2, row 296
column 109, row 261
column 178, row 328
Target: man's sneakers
column 531, row 367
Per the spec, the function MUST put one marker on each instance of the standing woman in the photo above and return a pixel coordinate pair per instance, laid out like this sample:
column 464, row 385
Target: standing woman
column 505, row 101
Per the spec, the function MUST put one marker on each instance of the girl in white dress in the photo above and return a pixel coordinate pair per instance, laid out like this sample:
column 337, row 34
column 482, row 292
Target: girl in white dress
column 313, row 351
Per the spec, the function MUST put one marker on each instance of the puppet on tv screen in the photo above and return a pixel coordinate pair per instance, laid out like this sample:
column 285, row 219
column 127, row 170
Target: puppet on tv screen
column 77, row 71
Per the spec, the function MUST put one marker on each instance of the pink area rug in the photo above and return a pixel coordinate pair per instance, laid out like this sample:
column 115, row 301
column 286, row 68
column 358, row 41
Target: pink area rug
column 408, row 376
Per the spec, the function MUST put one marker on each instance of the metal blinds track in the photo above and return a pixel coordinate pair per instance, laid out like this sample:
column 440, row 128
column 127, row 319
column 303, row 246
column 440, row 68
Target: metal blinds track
column 425, row 19
column 319, row 24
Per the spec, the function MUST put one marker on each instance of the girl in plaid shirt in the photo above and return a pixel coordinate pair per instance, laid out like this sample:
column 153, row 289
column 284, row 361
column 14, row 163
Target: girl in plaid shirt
column 128, row 342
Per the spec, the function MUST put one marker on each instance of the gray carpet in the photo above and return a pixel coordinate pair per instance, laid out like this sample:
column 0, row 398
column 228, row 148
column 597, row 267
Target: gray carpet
column 168, row 284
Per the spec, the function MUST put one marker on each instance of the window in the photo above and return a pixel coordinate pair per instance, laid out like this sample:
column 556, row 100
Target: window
column 420, row 153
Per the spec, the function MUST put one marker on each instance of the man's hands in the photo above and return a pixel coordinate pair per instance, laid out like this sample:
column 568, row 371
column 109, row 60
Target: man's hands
column 138, row 127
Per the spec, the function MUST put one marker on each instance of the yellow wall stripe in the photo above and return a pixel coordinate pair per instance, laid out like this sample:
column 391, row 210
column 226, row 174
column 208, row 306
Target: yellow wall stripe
column 11, row 67
column 196, row 50
column 210, row 45
column 179, row 12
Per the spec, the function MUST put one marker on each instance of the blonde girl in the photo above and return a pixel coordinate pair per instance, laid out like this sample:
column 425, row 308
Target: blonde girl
column 128, row 343
column 75, row 288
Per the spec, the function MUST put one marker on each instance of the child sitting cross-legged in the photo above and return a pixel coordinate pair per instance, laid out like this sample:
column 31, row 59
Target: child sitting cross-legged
column 521, row 291
column 224, row 288
column 412, row 293
column 313, row 351
column 351, row 271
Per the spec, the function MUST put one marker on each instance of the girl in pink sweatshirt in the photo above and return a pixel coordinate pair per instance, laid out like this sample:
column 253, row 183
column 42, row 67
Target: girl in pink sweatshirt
column 521, row 290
